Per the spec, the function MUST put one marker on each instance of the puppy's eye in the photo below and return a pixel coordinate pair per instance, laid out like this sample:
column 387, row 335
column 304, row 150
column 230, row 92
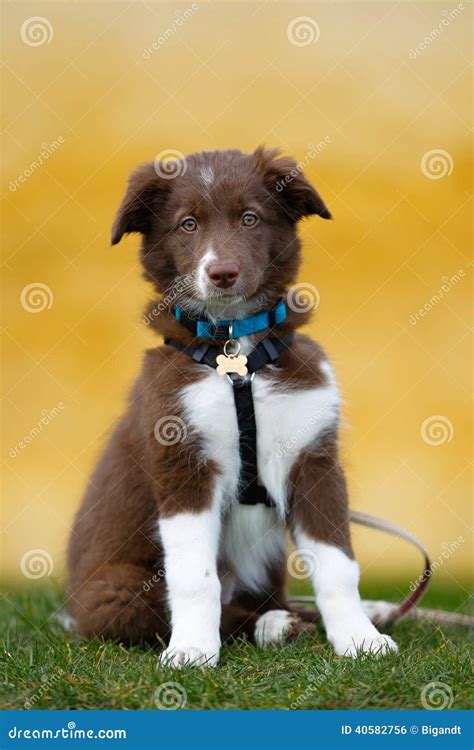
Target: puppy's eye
column 249, row 219
column 189, row 224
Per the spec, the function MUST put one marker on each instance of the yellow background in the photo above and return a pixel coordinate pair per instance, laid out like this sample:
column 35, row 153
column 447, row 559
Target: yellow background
column 229, row 77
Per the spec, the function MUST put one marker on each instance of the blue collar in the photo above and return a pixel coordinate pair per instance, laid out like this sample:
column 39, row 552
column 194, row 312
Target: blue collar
column 242, row 327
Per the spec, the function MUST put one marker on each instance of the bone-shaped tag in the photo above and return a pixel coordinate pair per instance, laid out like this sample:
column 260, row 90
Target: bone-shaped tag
column 236, row 364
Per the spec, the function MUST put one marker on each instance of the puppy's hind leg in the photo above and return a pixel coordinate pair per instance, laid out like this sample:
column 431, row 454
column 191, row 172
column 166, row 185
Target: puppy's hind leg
column 120, row 601
column 270, row 627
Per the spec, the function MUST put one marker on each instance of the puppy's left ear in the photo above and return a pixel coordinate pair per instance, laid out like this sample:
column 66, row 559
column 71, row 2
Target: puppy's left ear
column 143, row 200
column 288, row 186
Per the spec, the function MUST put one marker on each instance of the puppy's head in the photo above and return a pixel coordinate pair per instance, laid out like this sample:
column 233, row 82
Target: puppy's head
column 220, row 227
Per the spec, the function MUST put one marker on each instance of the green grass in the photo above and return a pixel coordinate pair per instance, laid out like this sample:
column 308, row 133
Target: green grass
column 43, row 667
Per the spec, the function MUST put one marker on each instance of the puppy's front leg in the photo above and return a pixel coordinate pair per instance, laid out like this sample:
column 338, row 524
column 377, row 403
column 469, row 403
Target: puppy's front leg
column 320, row 528
column 190, row 543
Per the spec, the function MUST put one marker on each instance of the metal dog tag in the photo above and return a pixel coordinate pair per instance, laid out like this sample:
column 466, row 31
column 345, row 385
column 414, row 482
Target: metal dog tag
column 231, row 362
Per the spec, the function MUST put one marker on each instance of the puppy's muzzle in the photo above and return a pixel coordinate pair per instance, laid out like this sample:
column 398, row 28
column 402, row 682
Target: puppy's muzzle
column 223, row 275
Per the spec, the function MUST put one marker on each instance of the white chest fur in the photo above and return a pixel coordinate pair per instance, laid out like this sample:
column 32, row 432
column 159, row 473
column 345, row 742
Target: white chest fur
column 288, row 421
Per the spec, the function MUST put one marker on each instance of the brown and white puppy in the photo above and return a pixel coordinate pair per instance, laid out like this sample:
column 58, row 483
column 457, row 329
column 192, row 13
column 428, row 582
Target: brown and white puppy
column 160, row 528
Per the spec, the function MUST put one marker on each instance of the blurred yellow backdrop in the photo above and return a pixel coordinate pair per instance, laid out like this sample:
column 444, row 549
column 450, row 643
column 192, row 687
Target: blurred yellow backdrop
column 374, row 99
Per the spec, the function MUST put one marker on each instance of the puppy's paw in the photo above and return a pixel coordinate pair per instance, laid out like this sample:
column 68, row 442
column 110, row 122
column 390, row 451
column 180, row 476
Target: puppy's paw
column 275, row 626
column 188, row 656
column 355, row 644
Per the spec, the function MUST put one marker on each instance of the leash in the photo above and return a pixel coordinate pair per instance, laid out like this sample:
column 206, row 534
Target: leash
column 392, row 612
column 240, row 371
column 373, row 522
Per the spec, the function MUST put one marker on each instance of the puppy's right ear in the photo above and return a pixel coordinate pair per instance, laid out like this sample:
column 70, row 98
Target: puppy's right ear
column 145, row 192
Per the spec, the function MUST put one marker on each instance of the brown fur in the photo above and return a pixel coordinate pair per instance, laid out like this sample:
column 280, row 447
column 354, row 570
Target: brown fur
column 318, row 496
column 116, row 585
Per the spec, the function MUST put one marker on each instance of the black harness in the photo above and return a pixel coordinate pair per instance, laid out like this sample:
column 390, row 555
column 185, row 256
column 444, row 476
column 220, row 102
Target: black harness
column 266, row 352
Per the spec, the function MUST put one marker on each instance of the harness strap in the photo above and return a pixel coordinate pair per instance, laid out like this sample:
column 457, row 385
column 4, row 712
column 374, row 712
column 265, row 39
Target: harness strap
column 250, row 491
column 266, row 352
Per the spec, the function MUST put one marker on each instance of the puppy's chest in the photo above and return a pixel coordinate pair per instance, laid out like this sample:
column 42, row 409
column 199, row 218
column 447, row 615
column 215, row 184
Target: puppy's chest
column 287, row 420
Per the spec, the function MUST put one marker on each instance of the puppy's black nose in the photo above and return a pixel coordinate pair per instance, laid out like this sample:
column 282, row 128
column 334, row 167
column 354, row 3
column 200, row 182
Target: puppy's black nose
column 223, row 275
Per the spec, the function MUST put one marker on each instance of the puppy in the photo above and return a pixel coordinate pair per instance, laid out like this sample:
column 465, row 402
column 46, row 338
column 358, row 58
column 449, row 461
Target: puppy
column 181, row 536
